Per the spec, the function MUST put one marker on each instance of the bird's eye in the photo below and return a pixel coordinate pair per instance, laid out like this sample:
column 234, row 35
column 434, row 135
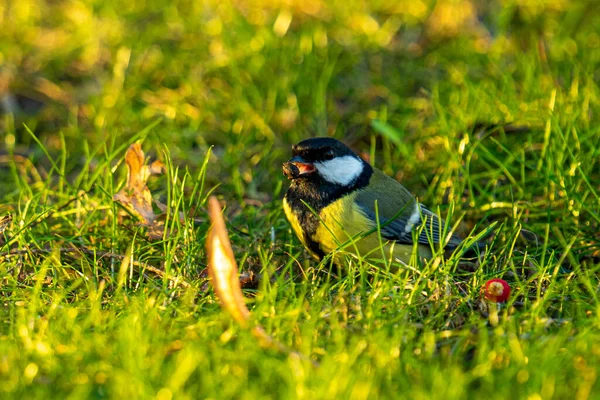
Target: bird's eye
column 329, row 155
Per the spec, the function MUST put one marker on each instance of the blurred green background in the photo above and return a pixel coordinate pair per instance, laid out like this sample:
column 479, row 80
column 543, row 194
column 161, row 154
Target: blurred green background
column 252, row 77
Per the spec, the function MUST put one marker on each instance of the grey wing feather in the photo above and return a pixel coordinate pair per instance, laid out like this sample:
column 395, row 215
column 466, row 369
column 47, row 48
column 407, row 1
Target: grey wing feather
column 392, row 229
column 396, row 229
column 433, row 228
column 397, row 213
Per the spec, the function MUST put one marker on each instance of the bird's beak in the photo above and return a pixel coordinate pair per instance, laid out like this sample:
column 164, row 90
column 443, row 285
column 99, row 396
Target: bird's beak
column 297, row 167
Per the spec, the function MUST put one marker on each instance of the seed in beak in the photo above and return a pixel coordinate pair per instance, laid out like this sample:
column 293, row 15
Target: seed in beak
column 295, row 169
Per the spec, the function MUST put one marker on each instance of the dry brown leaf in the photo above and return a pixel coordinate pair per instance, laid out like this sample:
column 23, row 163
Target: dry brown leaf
column 5, row 222
column 137, row 197
column 222, row 266
column 223, row 272
column 136, row 194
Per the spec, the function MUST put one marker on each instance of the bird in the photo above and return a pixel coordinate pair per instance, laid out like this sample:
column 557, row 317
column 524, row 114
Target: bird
column 338, row 203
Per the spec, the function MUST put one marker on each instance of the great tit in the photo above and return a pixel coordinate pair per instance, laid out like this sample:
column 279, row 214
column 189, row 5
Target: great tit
column 336, row 200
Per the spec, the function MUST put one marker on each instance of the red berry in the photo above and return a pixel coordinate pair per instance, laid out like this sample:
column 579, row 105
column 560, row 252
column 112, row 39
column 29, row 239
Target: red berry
column 496, row 290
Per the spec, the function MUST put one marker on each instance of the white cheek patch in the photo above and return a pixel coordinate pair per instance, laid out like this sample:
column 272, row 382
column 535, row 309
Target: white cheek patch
column 341, row 170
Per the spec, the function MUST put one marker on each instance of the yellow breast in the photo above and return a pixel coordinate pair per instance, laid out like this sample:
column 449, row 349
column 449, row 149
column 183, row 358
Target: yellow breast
column 296, row 226
column 293, row 221
column 345, row 228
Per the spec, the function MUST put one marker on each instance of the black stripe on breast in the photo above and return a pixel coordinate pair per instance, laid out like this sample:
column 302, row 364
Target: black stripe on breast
column 318, row 194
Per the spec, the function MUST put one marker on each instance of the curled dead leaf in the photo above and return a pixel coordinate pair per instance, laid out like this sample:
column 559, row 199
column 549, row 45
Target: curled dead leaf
column 5, row 222
column 222, row 266
column 136, row 194
column 223, row 271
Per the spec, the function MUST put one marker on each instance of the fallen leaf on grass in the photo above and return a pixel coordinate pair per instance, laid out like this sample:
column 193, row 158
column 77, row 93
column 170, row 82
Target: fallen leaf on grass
column 5, row 222
column 135, row 195
column 224, row 275
column 222, row 266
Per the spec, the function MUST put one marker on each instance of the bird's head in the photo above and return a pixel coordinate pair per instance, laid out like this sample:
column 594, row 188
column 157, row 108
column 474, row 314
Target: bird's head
column 324, row 159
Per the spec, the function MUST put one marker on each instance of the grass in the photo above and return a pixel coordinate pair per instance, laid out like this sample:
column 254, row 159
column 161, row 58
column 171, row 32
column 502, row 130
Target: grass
column 92, row 308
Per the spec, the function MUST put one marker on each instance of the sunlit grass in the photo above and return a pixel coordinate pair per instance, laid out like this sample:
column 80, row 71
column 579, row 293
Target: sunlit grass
column 487, row 110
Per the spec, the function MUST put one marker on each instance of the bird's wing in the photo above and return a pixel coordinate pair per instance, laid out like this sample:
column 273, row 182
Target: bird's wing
column 399, row 213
